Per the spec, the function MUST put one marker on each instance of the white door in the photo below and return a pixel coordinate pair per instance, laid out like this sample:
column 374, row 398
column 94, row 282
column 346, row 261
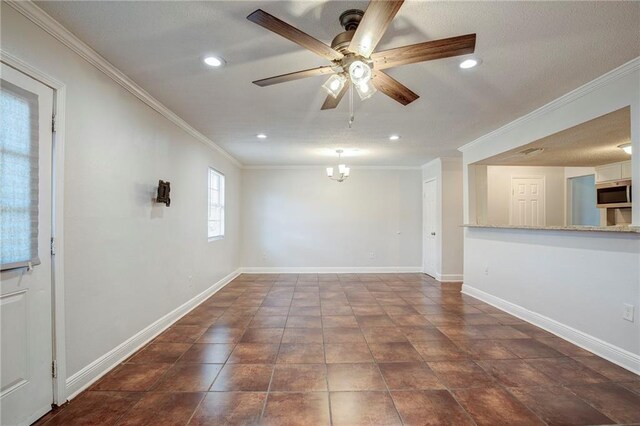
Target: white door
column 429, row 227
column 527, row 201
column 25, row 280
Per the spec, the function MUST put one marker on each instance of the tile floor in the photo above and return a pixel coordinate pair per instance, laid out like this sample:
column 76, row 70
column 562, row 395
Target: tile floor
column 352, row 349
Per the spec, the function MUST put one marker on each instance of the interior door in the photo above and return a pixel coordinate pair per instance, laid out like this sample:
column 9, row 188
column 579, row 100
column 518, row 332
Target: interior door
column 527, row 201
column 25, row 199
column 429, row 227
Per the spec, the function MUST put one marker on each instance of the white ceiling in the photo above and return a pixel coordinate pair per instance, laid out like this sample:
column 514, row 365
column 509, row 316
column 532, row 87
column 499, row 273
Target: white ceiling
column 532, row 52
column 592, row 143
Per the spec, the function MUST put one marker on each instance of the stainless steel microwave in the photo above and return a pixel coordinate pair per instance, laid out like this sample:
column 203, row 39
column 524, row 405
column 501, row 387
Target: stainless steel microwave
column 614, row 194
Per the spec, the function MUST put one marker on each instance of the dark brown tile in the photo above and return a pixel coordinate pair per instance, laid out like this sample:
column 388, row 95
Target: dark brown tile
column 354, row 377
column 188, row 378
column 162, row 408
column 95, row 408
column 608, row 369
column 485, row 349
column 368, row 321
column 342, row 321
column 567, row 371
column 422, row 334
column 132, row 377
column 564, row 347
column 495, row 406
column 295, row 321
column 219, row 334
column 409, row 375
column 347, row 353
column 372, row 309
column 305, row 311
column 632, row 386
column 461, row 374
column 429, row 407
column 343, row 335
column 331, row 309
column 273, row 311
column 289, row 409
column 558, row 406
column 213, row 353
column 160, row 353
column 394, row 352
column 262, row 335
column 363, row 408
column 416, row 320
column 268, row 321
column 254, row 353
column 299, row 378
column 515, row 373
column 181, row 334
column 384, row 335
column 399, row 310
column 530, row 348
column 302, row 335
column 301, row 353
column 439, row 350
column 243, row 377
column 229, row 408
column 616, row 402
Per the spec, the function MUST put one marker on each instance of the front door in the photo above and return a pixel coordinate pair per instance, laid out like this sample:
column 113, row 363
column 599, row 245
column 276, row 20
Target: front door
column 527, row 201
column 429, row 220
column 25, row 225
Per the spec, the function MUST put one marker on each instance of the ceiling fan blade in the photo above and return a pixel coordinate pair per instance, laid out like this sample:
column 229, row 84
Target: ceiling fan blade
column 332, row 102
column 373, row 25
column 427, row 51
column 393, row 88
column 294, row 76
column 287, row 31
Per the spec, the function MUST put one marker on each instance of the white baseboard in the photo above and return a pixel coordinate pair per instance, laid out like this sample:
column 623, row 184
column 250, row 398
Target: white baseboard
column 617, row 355
column 330, row 269
column 98, row 368
column 449, row 278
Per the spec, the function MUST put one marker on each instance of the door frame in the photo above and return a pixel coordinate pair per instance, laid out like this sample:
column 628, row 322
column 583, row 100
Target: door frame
column 424, row 225
column 57, row 220
column 544, row 190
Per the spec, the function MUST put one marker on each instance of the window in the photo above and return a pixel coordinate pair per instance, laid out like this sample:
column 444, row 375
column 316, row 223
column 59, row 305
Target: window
column 19, row 177
column 216, row 205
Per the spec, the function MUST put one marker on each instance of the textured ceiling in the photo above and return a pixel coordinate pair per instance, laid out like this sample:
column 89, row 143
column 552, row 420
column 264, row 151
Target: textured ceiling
column 589, row 144
column 532, row 52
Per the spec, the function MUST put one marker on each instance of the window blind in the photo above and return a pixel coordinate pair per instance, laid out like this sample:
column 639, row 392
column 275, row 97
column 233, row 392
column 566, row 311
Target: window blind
column 18, row 177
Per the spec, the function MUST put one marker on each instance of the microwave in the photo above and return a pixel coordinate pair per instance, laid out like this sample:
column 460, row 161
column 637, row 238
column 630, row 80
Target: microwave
column 614, row 194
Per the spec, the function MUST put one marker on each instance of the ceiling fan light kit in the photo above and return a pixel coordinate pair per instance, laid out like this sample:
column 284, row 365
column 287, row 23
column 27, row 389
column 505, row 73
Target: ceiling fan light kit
column 352, row 53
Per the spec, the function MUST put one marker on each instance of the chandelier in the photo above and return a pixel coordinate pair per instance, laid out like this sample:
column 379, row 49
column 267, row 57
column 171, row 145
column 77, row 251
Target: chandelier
column 343, row 170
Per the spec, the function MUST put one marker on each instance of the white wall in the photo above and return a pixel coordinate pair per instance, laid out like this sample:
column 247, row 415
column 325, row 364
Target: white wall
column 128, row 261
column 298, row 218
column 449, row 232
column 574, row 283
column 499, row 192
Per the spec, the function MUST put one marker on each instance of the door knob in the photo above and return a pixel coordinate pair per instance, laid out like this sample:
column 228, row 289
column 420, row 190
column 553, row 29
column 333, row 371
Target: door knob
column 433, row 233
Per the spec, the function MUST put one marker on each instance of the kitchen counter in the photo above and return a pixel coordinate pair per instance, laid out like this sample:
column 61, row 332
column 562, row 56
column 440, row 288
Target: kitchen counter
column 617, row 228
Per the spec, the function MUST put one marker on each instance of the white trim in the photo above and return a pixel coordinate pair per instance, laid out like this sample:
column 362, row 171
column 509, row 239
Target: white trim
column 566, row 99
column 329, row 269
column 449, row 278
column 98, row 368
column 54, row 28
column 57, row 264
column 323, row 167
column 617, row 355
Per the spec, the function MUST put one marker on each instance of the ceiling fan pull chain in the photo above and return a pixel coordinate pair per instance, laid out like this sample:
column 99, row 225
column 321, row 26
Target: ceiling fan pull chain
column 351, row 117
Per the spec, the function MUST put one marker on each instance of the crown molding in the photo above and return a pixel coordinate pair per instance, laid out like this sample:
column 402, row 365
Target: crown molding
column 42, row 19
column 615, row 74
column 323, row 167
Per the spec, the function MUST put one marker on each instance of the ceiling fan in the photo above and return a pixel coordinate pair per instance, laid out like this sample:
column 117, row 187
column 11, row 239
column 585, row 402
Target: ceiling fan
column 353, row 61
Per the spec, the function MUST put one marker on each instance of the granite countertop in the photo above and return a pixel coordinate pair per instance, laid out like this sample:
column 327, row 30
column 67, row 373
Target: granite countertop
column 616, row 228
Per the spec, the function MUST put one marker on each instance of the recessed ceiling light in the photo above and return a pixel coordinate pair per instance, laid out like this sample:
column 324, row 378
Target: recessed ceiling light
column 394, row 137
column 261, row 136
column 469, row 63
column 626, row 147
column 214, row 61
